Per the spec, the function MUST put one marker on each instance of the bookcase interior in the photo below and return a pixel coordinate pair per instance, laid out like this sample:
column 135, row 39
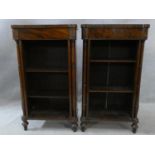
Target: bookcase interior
column 103, row 103
column 111, row 76
column 46, row 67
column 113, row 49
column 46, row 54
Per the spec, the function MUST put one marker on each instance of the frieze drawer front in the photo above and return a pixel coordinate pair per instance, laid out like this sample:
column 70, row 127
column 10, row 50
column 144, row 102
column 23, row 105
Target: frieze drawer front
column 117, row 32
column 112, row 64
column 47, row 69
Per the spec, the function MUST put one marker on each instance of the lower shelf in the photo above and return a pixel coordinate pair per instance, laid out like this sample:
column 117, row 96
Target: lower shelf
column 48, row 108
column 48, row 115
column 111, row 90
column 101, row 104
column 49, row 94
column 110, row 115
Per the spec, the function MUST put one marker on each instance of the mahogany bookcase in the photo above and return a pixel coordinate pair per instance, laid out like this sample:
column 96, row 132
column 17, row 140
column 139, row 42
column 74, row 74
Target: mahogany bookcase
column 112, row 64
column 47, row 69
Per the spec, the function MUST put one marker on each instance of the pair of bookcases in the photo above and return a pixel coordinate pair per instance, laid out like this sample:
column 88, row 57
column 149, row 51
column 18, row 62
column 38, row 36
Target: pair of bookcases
column 112, row 63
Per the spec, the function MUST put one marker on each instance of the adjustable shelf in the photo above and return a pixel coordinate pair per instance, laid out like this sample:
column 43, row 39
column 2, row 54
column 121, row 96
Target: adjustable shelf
column 110, row 90
column 49, row 94
column 46, row 56
column 34, row 70
column 48, row 115
column 112, row 63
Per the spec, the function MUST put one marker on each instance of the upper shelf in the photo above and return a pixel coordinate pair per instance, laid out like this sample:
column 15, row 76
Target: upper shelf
column 111, row 90
column 35, row 70
column 115, row 32
column 112, row 61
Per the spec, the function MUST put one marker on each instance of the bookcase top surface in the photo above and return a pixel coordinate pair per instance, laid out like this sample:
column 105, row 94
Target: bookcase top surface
column 44, row 32
column 115, row 25
column 115, row 31
column 43, row 26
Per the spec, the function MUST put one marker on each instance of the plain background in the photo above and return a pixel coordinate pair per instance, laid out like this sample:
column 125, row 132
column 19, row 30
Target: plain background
column 10, row 107
column 9, row 80
column 58, row 9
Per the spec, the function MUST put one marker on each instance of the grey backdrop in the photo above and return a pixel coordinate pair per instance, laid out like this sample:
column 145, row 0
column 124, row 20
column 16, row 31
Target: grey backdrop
column 9, row 81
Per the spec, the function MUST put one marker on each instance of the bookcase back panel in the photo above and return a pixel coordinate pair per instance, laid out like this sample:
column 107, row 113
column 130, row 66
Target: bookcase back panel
column 99, row 49
column 46, row 54
column 112, row 75
column 101, row 104
column 48, row 107
column 123, row 49
column 120, row 102
column 42, row 83
column 113, row 50
column 97, row 102
column 98, row 75
column 121, row 75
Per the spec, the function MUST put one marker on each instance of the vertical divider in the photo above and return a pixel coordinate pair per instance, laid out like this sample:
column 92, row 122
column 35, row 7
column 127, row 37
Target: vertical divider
column 137, row 79
column 69, row 79
column 22, row 77
column 73, row 71
column 88, row 75
column 84, row 79
column 139, row 76
column 108, row 73
column 136, row 73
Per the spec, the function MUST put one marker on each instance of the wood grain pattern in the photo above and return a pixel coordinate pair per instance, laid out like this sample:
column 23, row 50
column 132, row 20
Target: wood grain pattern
column 47, row 68
column 112, row 64
column 42, row 32
column 115, row 32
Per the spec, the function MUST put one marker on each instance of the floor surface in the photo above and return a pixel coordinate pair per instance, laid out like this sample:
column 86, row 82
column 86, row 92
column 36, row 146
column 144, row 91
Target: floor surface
column 10, row 123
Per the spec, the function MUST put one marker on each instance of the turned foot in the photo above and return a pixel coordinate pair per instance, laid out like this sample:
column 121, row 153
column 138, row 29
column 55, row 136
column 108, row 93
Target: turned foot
column 134, row 125
column 25, row 123
column 74, row 126
column 83, row 126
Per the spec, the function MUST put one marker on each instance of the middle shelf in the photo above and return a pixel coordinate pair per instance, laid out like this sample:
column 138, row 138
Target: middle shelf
column 110, row 90
column 47, row 85
column 49, row 94
column 111, row 61
column 40, row 70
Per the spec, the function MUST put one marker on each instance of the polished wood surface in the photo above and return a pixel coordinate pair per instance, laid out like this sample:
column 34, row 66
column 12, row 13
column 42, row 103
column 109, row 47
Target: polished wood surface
column 44, row 32
column 115, row 32
column 112, row 64
column 47, row 69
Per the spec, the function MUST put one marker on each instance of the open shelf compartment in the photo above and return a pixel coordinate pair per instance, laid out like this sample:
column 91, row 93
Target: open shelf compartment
column 114, row 50
column 48, row 107
column 47, row 84
column 115, row 104
column 46, row 55
column 48, row 95
column 112, row 77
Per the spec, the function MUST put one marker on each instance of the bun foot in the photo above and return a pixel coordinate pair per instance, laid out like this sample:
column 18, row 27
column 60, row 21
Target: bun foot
column 83, row 126
column 134, row 125
column 74, row 127
column 134, row 130
column 25, row 123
